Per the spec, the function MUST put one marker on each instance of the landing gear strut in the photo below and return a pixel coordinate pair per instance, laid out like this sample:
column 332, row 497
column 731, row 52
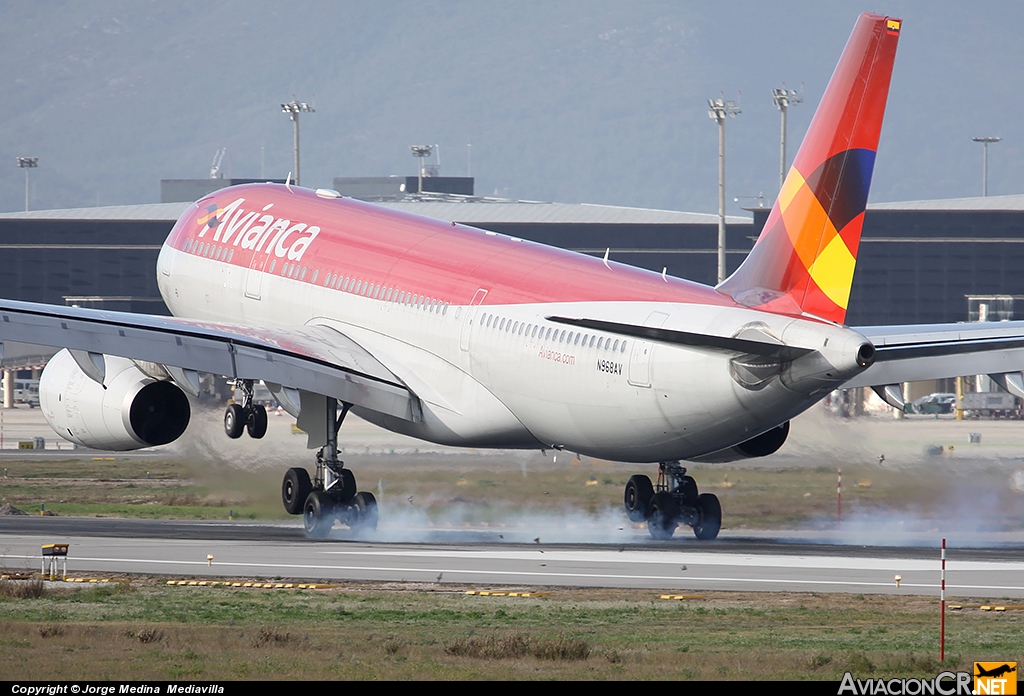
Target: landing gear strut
column 245, row 416
column 331, row 494
column 672, row 502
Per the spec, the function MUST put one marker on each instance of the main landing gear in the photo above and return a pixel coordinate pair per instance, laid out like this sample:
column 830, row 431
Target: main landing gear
column 672, row 502
column 245, row 416
column 331, row 495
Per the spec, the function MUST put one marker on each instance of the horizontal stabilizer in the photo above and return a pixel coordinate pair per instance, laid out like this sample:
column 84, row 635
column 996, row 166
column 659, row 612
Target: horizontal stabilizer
column 891, row 394
column 694, row 340
column 939, row 351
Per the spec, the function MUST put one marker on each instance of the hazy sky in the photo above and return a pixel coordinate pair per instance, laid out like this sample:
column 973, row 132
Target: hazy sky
column 601, row 102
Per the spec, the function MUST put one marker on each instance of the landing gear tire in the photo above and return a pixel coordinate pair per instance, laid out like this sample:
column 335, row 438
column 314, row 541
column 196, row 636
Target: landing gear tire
column 364, row 512
column 710, row 517
column 637, row 497
column 295, row 488
column 234, row 421
column 345, row 490
column 662, row 514
column 256, row 423
column 318, row 515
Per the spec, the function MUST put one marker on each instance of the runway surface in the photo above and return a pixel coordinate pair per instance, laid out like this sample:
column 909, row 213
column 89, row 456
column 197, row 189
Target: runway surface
column 472, row 557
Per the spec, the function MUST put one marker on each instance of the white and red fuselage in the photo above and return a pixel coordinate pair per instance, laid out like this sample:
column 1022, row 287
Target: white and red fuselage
column 461, row 316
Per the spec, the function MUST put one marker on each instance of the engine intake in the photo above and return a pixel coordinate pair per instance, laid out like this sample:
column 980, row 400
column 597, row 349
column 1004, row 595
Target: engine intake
column 130, row 411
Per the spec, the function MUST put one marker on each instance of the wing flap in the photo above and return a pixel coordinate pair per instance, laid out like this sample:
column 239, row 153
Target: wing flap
column 312, row 358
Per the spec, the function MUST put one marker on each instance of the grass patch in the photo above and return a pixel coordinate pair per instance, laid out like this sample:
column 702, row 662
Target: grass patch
column 518, row 645
column 362, row 631
column 22, row 589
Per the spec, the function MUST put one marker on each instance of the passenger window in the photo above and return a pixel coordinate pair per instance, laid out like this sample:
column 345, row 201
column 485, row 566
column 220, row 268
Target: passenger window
column 623, row 347
column 592, row 338
column 273, row 263
column 616, row 346
column 502, row 327
column 315, row 274
column 577, row 341
column 561, row 339
column 570, row 337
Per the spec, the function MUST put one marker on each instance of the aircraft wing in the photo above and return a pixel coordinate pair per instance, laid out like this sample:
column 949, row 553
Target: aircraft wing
column 937, row 351
column 311, row 358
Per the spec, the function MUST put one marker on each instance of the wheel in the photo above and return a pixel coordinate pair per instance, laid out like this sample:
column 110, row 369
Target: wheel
column 234, row 421
column 345, row 489
column 639, row 492
column 364, row 518
column 661, row 515
column 318, row 515
column 710, row 517
column 256, row 424
column 295, row 488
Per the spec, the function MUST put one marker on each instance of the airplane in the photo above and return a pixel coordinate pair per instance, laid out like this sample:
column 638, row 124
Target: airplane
column 469, row 338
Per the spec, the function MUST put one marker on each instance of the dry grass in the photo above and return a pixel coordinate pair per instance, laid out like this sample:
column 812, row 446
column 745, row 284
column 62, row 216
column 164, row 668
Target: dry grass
column 519, row 645
column 366, row 631
column 22, row 589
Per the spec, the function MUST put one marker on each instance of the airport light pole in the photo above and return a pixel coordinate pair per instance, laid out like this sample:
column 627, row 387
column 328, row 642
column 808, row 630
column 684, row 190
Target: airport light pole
column 719, row 109
column 420, row 151
column 27, row 163
column 784, row 98
column 293, row 109
column 984, row 175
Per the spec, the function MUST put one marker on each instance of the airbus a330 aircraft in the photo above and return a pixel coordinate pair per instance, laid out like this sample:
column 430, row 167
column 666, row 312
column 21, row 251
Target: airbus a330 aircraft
column 471, row 338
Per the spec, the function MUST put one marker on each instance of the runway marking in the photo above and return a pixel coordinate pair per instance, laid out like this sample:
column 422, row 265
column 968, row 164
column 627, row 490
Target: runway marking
column 547, row 574
column 698, row 558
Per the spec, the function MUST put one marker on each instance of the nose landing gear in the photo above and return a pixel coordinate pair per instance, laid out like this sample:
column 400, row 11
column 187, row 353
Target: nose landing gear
column 674, row 501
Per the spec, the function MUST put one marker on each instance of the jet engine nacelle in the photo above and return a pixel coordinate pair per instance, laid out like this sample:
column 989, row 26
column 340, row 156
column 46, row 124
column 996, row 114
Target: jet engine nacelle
column 130, row 410
column 764, row 444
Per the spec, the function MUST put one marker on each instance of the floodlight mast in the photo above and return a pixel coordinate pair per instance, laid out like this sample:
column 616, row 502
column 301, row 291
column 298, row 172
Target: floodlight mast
column 293, row 109
column 984, row 175
column 784, row 98
column 420, row 151
column 27, row 163
column 719, row 109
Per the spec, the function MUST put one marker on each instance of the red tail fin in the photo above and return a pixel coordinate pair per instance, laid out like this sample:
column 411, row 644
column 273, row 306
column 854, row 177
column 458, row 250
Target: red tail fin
column 803, row 261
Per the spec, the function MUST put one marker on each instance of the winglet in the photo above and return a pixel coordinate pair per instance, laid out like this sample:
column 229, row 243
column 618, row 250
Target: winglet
column 803, row 262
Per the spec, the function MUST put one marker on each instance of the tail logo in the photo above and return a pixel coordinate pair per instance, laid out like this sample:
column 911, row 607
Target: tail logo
column 803, row 262
column 822, row 217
